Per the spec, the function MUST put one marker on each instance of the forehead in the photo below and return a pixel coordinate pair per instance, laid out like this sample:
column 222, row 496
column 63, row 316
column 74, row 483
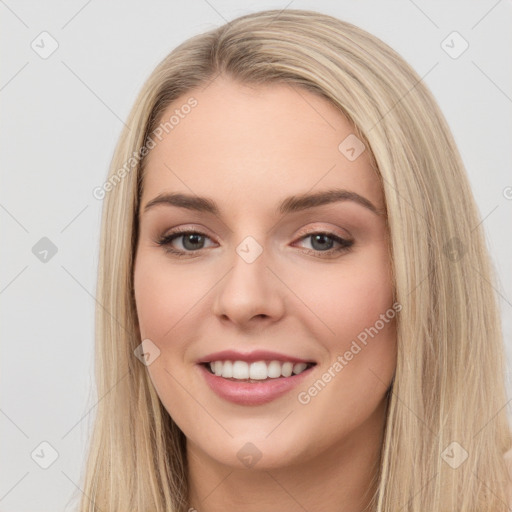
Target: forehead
column 251, row 144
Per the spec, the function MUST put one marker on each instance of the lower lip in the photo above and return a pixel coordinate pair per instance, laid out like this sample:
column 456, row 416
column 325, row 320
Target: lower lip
column 248, row 393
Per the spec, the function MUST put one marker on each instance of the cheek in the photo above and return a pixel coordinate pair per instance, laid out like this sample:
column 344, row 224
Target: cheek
column 360, row 355
column 162, row 301
column 163, row 296
column 349, row 297
column 151, row 298
column 168, row 303
column 357, row 329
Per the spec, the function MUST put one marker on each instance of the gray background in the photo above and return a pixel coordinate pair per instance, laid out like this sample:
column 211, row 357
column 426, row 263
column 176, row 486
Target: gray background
column 61, row 117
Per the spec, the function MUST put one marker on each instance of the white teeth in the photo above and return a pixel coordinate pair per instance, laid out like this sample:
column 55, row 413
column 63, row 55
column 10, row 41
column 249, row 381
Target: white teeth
column 287, row 369
column 258, row 370
column 240, row 370
column 274, row 369
column 299, row 367
column 227, row 369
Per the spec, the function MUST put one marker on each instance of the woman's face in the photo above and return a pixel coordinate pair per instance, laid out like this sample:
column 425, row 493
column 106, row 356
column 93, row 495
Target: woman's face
column 278, row 270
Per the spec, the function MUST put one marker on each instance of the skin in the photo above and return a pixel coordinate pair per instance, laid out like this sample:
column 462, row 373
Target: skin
column 247, row 148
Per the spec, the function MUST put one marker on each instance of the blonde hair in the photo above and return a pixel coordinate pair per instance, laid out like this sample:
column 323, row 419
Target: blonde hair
column 449, row 382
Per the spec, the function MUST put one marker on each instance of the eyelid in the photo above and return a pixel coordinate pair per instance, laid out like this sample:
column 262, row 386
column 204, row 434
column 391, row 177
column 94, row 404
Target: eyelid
column 319, row 227
column 186, row 229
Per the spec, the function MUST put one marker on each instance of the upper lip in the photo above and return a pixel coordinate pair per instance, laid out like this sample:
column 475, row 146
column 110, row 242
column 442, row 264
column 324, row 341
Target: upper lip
column 255, row 355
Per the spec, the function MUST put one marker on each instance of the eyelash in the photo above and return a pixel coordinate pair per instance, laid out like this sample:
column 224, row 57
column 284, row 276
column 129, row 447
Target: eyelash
column 166, row 240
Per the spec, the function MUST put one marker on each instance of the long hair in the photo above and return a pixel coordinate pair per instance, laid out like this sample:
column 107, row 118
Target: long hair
column 446, row 428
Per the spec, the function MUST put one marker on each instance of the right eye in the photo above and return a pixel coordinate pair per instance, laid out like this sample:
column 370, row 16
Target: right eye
column 191, row 241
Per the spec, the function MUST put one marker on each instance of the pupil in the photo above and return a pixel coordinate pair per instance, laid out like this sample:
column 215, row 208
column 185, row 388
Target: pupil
column 320, row 237
column 194, row 238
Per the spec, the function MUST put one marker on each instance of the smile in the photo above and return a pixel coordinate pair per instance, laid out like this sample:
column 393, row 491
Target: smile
column 257, row 370
column 254, row 383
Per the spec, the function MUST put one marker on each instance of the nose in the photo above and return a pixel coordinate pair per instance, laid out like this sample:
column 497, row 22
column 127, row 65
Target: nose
column 250, row 293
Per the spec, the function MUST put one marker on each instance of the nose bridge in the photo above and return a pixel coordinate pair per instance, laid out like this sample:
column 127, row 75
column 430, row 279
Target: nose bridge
column 249, row 275
column 249, row 289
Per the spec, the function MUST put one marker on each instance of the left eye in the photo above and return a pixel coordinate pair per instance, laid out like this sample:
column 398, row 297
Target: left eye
column 193, row 241
column 318, row 242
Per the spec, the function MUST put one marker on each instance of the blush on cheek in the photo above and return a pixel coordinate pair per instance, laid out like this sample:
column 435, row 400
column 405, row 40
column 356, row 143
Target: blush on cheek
column 350, row 307
column 158, row 306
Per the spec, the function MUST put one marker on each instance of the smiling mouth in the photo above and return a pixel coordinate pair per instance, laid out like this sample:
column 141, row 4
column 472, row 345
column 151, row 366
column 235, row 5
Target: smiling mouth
column 257, row 371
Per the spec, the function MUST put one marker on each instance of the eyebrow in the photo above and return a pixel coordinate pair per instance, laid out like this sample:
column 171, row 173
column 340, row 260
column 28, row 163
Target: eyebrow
column 289, row 205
